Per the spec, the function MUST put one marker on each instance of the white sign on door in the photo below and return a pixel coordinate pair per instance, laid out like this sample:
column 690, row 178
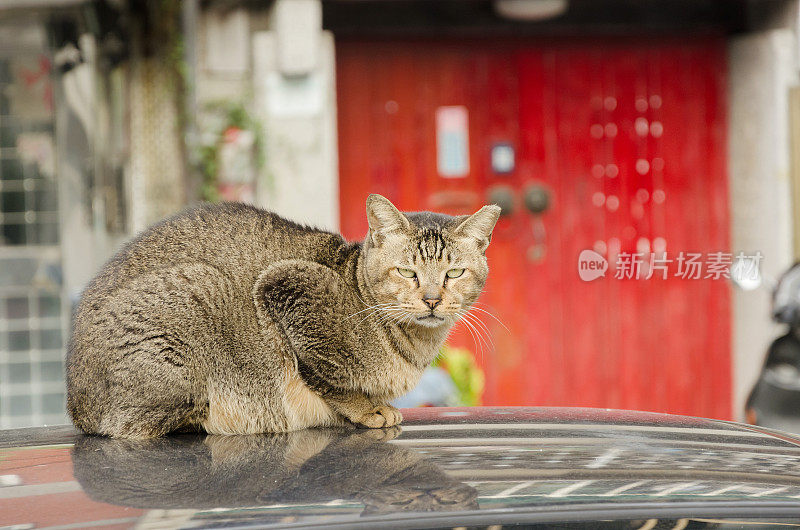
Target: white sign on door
column 452, row 141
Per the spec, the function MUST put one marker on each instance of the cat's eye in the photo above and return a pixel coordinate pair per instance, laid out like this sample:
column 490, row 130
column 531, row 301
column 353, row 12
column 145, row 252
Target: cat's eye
column 406, row 273
column 455, row 273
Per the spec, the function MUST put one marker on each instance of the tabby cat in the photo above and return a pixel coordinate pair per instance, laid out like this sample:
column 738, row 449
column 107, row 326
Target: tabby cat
column 229, row 319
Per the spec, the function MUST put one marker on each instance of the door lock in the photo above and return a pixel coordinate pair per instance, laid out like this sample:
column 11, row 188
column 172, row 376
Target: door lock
column 502, row 196
column 537, row 198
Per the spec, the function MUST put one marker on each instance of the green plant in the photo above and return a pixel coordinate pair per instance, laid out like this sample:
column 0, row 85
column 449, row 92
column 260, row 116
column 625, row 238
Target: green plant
column 220, row 116
column 466, row 374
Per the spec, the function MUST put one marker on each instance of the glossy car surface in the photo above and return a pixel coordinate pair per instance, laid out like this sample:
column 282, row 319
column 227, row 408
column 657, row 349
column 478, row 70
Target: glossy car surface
column 443, row 468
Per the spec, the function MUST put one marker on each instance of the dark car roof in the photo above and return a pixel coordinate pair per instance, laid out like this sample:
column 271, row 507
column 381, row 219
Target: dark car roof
column 444, row 468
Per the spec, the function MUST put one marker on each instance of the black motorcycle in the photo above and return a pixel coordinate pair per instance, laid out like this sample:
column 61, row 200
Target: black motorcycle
column 774, row 401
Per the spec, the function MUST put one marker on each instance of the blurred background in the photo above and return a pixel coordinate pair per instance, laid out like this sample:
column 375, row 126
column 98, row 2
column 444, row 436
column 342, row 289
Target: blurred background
column 619, row 126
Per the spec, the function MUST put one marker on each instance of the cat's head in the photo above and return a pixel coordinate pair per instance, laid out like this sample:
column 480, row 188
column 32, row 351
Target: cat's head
column 426, row 267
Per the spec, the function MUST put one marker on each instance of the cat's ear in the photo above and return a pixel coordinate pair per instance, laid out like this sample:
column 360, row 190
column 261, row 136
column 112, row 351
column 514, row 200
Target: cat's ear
column 479, row 225
column 383, row 218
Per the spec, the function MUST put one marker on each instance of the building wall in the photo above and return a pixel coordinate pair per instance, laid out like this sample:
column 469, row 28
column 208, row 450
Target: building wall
column 241, row 60
column 300, row 180
column 33, row 310
column 762, row 71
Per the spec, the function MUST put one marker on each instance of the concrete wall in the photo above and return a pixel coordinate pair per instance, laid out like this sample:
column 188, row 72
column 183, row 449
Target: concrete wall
column 295, row 98
column 223, row 55
column 281, row 65
column 762, row 68
column 300, row 180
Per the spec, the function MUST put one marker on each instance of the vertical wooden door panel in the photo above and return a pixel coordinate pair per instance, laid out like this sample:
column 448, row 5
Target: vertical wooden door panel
column 629, row 138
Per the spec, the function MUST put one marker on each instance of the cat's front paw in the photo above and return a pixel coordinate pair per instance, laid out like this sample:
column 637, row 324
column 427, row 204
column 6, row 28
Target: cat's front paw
column 381, row 416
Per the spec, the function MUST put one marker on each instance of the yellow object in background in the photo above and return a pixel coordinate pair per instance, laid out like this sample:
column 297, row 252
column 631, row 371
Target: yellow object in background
column 466, row 374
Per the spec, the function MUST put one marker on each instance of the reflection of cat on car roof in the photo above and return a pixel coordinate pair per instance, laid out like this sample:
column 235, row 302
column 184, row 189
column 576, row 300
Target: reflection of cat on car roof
column 309, row 466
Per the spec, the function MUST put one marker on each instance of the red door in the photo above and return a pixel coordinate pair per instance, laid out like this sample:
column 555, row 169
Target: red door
column 627, row 137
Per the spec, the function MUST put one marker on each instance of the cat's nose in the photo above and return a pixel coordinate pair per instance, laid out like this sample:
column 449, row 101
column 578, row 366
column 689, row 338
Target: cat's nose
column 431, row 301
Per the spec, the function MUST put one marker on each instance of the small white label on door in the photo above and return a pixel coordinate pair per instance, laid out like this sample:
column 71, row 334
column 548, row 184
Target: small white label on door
column 502, row 158
column 452, row 142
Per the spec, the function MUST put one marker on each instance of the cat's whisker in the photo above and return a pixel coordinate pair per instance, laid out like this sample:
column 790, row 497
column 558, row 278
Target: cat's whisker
column 475, row 341
column 367, row 309
column 403, row 318
column 490, row 314
column 409, row 318
column 466, row 323
column 370, row 310
column 377, row 311
column 389, row 315
column 374, row 312
column 487, row 343
column 478, row 307
column 394, row 308
column 478, row 321
column 361, row 299
column 472, row 334
column 481, row 328
column 480, row 325
column 396, row 319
